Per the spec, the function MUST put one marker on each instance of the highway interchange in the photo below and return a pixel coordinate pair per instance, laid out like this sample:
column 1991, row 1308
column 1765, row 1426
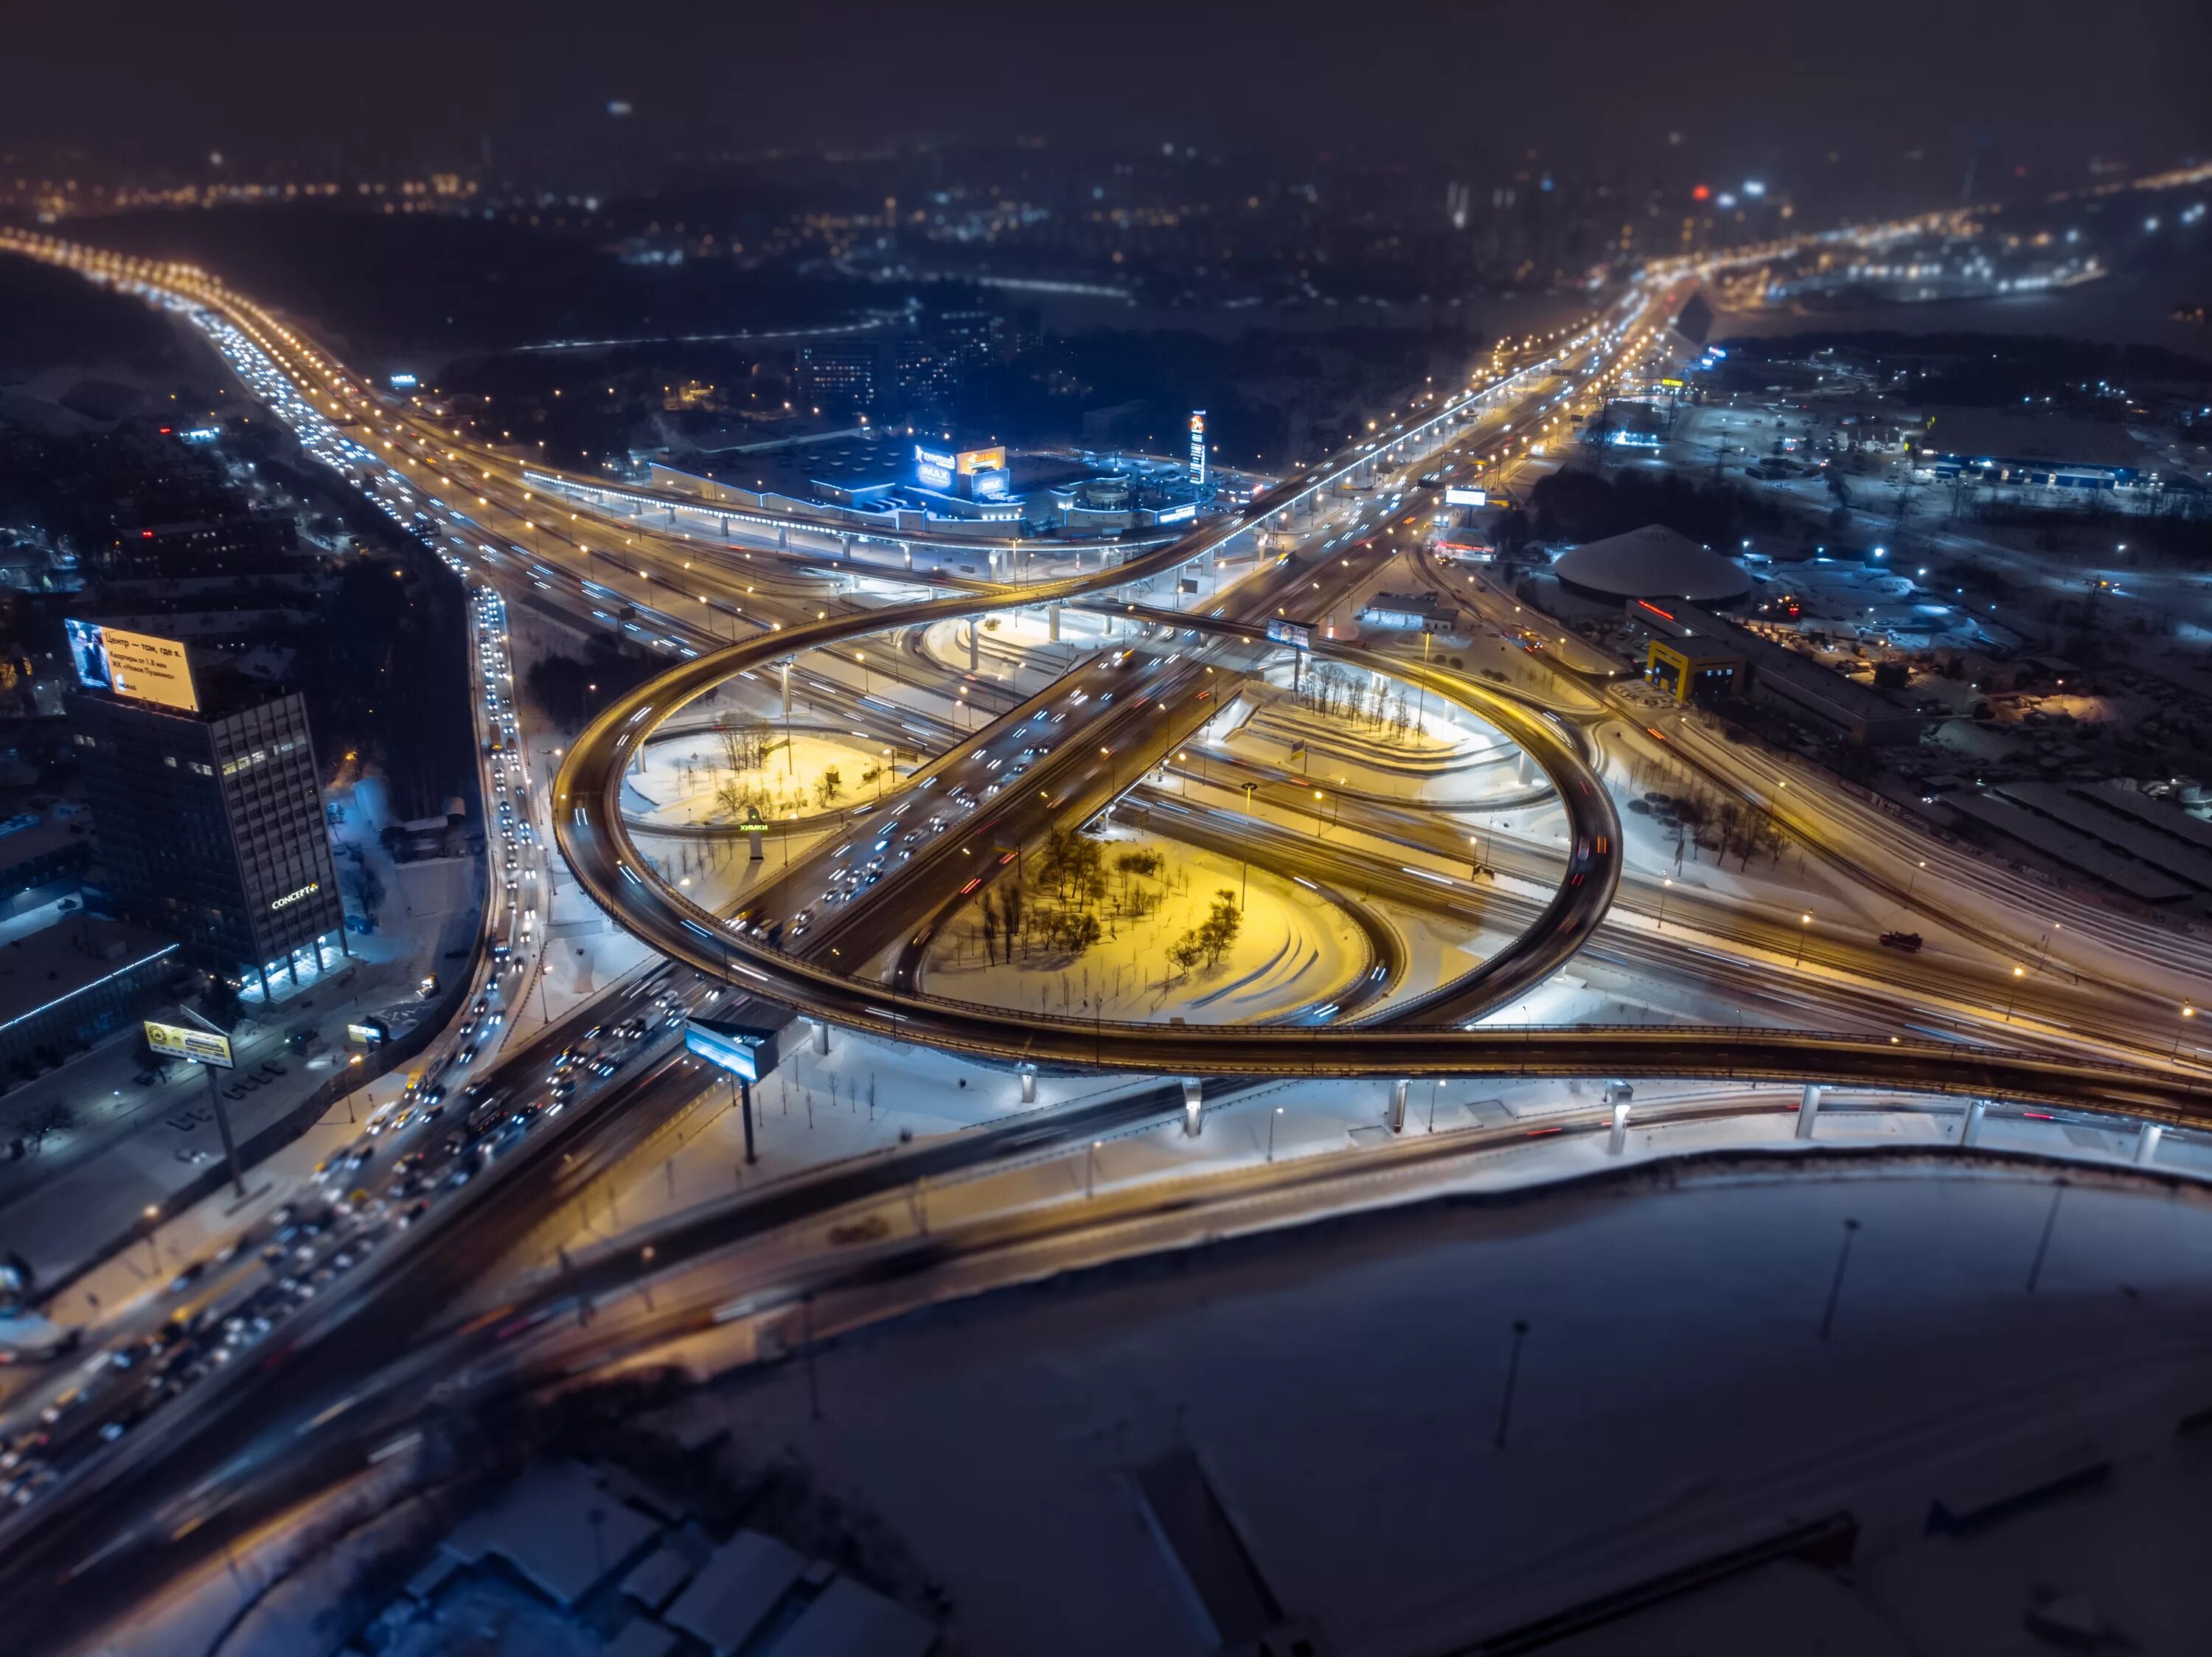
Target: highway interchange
column 330, row 1378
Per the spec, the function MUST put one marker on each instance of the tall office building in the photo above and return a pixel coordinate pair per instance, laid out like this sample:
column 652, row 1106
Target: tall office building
column 208, row 819
column 839, row 375
column 925, row 378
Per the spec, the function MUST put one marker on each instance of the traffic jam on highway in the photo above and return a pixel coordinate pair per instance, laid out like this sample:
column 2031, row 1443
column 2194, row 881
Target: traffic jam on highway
column 216, row 1310
column 217, row 1307
column 452, row 1127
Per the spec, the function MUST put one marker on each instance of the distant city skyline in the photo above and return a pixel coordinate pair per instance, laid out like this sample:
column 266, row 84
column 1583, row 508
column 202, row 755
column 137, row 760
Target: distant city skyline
column 1719, row 82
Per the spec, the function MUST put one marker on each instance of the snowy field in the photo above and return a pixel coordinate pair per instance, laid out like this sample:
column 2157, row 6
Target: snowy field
column 1340, row 1389
column 1293, row 949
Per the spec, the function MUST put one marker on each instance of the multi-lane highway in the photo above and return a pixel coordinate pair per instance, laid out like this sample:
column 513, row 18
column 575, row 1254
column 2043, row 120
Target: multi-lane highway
column 305, row 1397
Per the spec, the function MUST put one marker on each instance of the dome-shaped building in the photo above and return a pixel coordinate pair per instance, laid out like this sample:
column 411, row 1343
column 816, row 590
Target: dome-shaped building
column 1654, row 562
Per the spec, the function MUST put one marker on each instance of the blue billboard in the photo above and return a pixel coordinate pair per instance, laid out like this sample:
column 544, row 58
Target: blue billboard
column 734, row 1047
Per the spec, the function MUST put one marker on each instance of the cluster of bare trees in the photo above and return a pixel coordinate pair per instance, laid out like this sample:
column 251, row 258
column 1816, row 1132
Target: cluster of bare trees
column 1210, row 940
column 1074, row 894
column 1071, row 897
column 1361, row 699
column 1700, row 816
column 31, row 1127
column 740, row 795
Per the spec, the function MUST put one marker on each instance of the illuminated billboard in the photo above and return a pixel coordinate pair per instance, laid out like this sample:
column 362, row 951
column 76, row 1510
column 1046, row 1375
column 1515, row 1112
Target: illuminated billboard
column 187, row 1041
column 1460, row 494
column 734, row 1047
column 932, row 467
column 132, row 664
column 1198, row 446
column 984, row 469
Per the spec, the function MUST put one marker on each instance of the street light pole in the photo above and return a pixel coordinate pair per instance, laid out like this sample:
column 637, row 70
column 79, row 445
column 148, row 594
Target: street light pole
column 1244, row 889
column 1804, row 924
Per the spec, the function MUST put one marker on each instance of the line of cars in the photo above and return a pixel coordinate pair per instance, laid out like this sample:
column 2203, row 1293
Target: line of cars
column 225, row 1307
column 228, row 1302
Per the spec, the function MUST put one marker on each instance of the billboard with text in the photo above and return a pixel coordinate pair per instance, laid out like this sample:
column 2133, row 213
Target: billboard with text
column 189, row 1041
column 132, row 664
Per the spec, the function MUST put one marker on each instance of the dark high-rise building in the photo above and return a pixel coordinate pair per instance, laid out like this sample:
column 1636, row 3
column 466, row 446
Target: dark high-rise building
column 973, row 338
column 210, row 828
column 925, row 378
column 838, row 373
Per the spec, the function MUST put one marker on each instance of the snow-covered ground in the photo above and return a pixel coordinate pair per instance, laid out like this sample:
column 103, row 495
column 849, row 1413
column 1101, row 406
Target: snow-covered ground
column 678, row 781
column 1342, row 1391
column 1292, row 950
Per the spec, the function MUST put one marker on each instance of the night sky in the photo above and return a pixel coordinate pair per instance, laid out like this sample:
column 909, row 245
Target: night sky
column 2031, row 83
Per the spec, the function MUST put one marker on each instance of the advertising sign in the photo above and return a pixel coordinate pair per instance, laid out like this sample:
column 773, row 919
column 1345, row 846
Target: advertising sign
column 189, row 1041
column 1296, row 635
column 1198, row 446
column 969, row 461
column 132, row 664
column 735, row 1047
column 368, row 1031
column 932, row 467
column 1176, row 514
column 1460, row 494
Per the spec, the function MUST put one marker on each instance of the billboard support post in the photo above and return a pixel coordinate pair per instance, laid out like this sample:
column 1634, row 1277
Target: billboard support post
column 745, row 1105
column 209, row 1048
column 223, row 1126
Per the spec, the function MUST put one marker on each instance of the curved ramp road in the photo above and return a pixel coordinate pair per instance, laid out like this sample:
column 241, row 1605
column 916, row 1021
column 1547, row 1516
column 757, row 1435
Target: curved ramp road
column 597, row 842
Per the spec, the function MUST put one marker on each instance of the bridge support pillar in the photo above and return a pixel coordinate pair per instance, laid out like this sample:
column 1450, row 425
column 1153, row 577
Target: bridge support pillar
column 1052, row 622
column 1028, row 1087
column 1193, row 1105
column 787, row 687
column 1971, row 1128
column 844, row 546
column 783, row 537
column 1808, row 1108
column 975, row 642
column 1397, row 1116
column 2146, row 1144
column 907, row 547
column 1618, row 1095
column 821, row 1038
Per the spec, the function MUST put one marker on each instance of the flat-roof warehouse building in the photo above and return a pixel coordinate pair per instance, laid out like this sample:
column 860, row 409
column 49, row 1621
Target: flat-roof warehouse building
column 1693, row 654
